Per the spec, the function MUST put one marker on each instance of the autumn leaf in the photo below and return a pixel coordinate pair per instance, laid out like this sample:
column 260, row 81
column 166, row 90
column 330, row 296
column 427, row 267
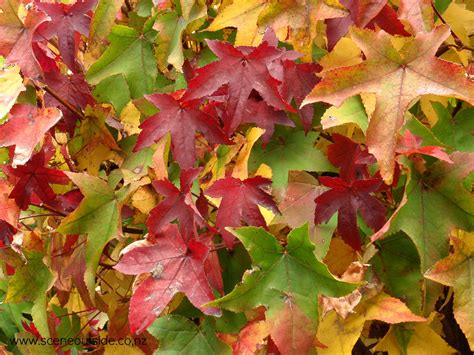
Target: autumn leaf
column 242, row 69
column 174, row 266
column 240, row 201
column 410, row 144
column 348, row 198
column 181, row 118
column 28, row 120
column 17, row 37
column 456, row 271
column 66, row 21
column 98, row 216
column 397, row 78
column 291, row 307
column 177, row 205
column 32, row 181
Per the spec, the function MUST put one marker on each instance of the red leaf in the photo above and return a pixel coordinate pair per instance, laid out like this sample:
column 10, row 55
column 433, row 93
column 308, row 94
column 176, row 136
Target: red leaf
column 298, row 81
column 174, row 267
column 348, row 155
column 178, row 205
column 33, row 181
column 364, row 14
column 410, row 144
column 16, row 37
column 66, row 21
column 240, row 201
column 9, row 211
column 181, row 118
column 27, row 121
column 348, row 198
column 243, row 69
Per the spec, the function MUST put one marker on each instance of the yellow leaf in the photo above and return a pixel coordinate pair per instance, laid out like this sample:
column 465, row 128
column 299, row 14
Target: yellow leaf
column 240, row 170
column 130, row 117
column 344, row 54
column 460, row 20
column 11, row 84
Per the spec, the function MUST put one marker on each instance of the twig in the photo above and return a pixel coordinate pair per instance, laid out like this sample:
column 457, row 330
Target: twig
column 65, row 103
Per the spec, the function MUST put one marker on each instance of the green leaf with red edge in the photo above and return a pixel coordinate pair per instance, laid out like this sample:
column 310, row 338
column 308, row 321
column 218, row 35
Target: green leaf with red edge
column 287, row 282
column 397, row 78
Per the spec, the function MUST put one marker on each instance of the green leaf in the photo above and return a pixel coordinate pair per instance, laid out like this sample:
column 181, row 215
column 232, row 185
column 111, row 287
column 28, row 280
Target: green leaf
column 291, row 151
column 179, row 335
column 455, row 132
column 397, row 264
column 113, row 90
column 436, row 202
column 98, row 216
column 130, row 53
column 103, row 20
column 287, row 281
column 351, row 111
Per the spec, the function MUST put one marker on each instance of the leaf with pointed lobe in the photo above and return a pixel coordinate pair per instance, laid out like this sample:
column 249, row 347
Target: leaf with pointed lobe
column 17, row 37
column 349, row 157
column 174, row 266
column 33, row 179
column 240, row 201
column 348, row 198
column 178, row 205
column 287, row 282
column 66, row 22
column 364, row 14
column 182, row 119
column 9, row 211
column 397, row 77
column 410, row 144
column 242, row 69
column 11, row 85
column 27, row 121
column 98, row 216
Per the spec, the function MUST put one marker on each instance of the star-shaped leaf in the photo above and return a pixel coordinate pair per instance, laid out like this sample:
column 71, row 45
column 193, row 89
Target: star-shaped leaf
column 174, row 266
column 287, row 282
column 240, row 201
column 27, row 121
column 66, row 21
column 98, row 216
column 348, row 198
column 182, row 119
column 33, row 179
column 242, row 69
column 177, row 205
column 396, row 77
column 457, row 271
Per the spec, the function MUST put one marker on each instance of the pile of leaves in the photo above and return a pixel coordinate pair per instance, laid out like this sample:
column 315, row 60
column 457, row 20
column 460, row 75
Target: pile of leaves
column 246, row 176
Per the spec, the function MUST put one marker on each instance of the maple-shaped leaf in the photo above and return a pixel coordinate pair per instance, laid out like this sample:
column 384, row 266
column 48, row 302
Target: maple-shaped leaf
column 174, row 266
column 418, row 214
column 264, row 116
column 177, row 205
column 396, row 77
column 348, row 198
column 181, row 119
column 180, row 335
column 364, row 14
column 66, row 21
column 27, row 121
column 72, row 89
column 287, row 282
column 349, row 157
column 298, row 80
column 98, row 215
column 457, row 270
column 242, row 69
column 17, row 37
column 240, row 201
column 410, row 144
column 11, row 85
column 33, row 179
